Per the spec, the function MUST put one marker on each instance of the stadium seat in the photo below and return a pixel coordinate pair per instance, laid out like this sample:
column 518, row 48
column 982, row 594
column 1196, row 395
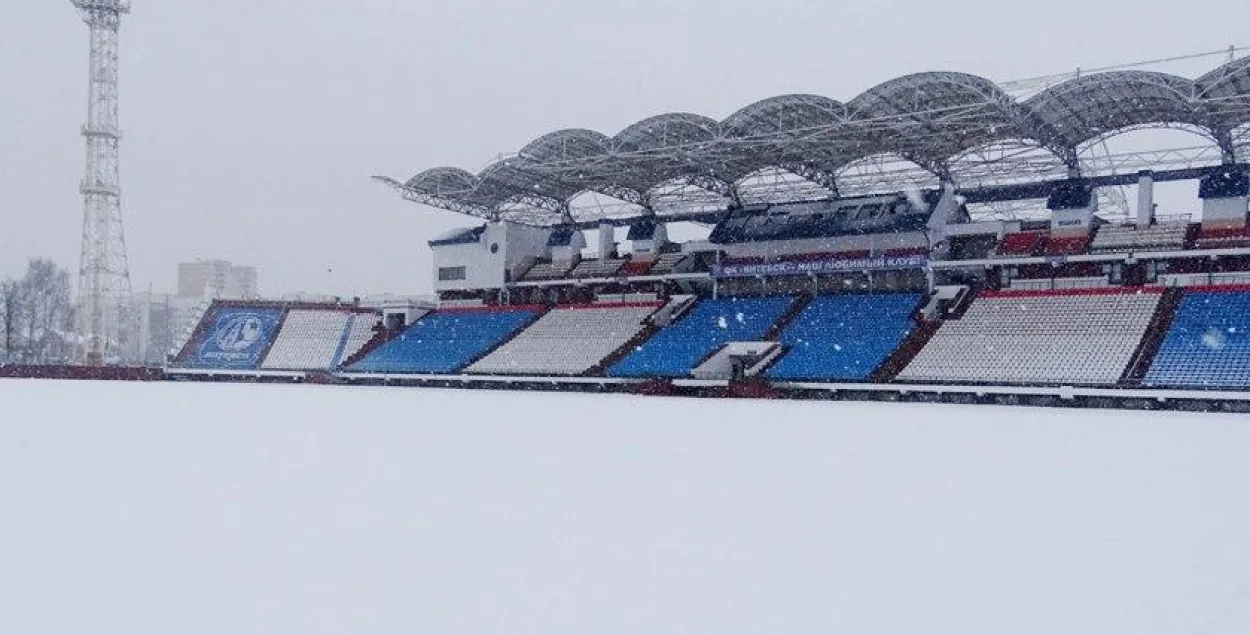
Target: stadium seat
column 1122, row 238
column 1066, row 245
column 1021, row 244
column 844, row 337
column 1223, row 238
column 677, row 348
column 667, row 263
column 637, row 268
column 597, row 268
column 567, row 341
column 1078, row 337
column 1208, row 343
column 547, row 270
column 309, row 340
column 445, row 341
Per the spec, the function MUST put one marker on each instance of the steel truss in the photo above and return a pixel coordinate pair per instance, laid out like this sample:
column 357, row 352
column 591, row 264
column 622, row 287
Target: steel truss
column 104, row 274
column 914, row 131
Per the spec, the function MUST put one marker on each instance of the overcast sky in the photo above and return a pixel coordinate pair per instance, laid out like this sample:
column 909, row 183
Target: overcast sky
column 252, row 128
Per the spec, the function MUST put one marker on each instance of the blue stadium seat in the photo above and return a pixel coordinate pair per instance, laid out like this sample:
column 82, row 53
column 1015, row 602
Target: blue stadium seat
column 1208, row 344
column 677, row 348
column 444, row 341
column 844, row 337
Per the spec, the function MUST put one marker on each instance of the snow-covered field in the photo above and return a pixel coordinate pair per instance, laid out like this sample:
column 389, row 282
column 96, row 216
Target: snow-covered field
column 281, row 510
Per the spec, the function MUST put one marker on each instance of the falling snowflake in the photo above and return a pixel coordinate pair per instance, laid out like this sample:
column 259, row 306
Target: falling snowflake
column 1213, row 340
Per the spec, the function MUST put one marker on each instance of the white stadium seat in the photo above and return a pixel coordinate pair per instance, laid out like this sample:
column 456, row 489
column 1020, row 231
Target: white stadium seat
column 1168, row 236
column 309, row 340
column 597, row 268
column 667, row 263
column 566, row 341
column 1071, row 338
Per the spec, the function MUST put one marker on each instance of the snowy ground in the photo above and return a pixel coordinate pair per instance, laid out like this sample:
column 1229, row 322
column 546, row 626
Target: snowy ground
column 220, row 509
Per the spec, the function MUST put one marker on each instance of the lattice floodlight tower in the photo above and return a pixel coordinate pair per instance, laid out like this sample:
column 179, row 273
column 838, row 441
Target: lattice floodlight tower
column 104, row 275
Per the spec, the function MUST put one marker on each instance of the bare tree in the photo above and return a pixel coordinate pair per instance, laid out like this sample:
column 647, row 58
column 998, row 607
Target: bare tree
column 39, row 316
column 8, row 319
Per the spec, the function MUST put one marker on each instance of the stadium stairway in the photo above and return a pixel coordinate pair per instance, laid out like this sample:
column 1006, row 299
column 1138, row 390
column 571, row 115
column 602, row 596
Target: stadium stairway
column 539, row 312
column 1146, row 352
column 796, row 309
column 273, row 340
column 844, row 336
column 568, row 340
column 448, row 340
column 678, row 348
column 902, row 356
column 923, row 332
column 197, row 334
column 649, row 329
column 670, row 312
column 379, row 338
column 1208, row 343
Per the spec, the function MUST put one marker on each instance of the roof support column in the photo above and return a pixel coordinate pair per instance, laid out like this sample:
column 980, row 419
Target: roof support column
column 1145, row 199
column 607, row 239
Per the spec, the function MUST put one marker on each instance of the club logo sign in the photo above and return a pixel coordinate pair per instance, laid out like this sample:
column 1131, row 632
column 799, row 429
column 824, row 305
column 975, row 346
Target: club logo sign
column 237, row 339
column 240, row 333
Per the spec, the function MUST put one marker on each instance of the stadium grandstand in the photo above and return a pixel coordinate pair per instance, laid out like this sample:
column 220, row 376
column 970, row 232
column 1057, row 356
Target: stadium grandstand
column 864, row 247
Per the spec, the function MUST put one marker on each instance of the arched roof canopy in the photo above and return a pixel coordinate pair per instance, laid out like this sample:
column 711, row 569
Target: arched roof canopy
column 883, row 172
column 1226, row 93
column 444, row 182
column 776, row 184
column 786, row 116
column 930, row 117
column 516, row 179
column 572, row 144
column 547, row 171
column 670, row 132
column 937, row 123
column 663, row 147
column 791, row 131
column 1006, row 161
column 1089, row 107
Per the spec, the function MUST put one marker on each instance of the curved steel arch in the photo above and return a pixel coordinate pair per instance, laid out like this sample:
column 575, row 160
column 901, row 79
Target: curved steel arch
column 513, row 180
column 1089, row 107
column 1003, row 161
column 443, row 182
column 667, row 132
column 661, row 148
column 795, row 132
column 872, row 174
column 571, row 144
column 1226, row 94
column 930, row 117
column 785, row 115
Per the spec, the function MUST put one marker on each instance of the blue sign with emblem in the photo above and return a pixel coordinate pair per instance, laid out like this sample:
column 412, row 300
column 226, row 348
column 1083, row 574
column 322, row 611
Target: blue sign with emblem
column 237, row 339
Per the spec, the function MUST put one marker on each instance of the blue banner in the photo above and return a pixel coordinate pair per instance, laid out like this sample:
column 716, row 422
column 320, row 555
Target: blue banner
column 237, row 339
column 817, row 267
